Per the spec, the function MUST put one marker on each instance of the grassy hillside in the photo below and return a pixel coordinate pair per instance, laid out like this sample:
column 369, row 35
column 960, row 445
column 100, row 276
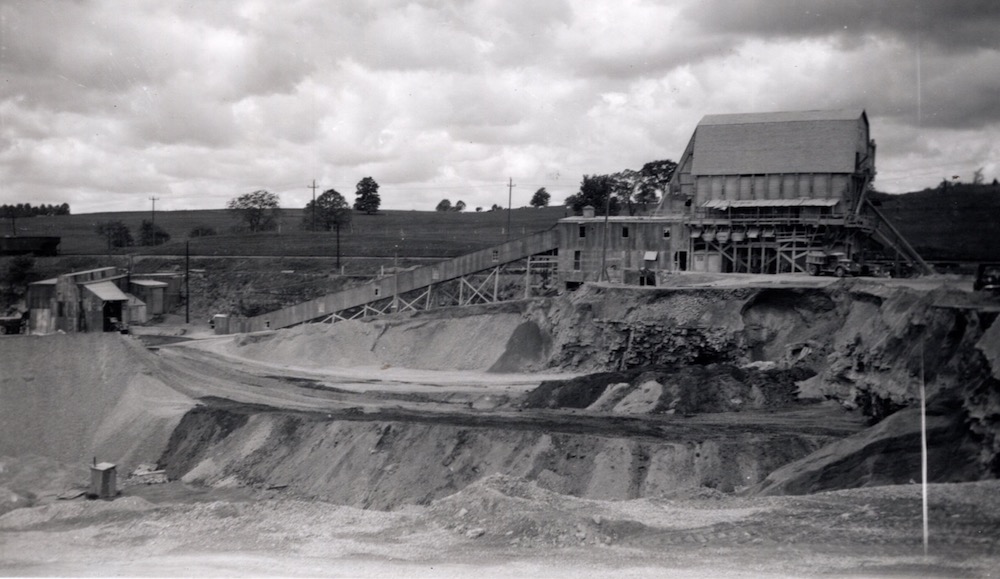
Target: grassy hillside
column 415, row 233
column 961, row 223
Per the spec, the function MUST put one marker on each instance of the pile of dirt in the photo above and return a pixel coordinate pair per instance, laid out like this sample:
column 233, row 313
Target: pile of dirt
column 79, row 396
column 495, row 339
column 383, row 464
column 26, row 481
column 888, row 453
column 677, row 389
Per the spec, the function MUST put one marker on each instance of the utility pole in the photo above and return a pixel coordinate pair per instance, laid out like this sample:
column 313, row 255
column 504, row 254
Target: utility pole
column 187, row 282
column 603, row 275
column 313, row 187
column 510, row 194
column 154, row 199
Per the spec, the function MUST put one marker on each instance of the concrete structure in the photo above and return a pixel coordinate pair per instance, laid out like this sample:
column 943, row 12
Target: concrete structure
column 173, row 290
column 151, row 292
column 753, row 193
column 85, row 301
column 103, row 481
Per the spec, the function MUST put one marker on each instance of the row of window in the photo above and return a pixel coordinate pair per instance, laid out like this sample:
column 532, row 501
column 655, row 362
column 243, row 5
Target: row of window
column 625, row 232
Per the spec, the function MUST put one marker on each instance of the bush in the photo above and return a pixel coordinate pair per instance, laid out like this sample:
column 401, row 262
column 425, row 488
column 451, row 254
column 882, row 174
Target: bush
column 202, row 230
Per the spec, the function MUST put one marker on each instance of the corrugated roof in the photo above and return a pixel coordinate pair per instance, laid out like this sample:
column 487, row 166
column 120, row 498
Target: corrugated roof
column 782, row 117
column 804, row 202
column 107, row 291
column 777, row 143
column 149, row 283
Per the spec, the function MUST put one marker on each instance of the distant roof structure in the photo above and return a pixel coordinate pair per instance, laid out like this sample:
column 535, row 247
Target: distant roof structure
column 106, row 291
column 776, row 143
column 148, row 283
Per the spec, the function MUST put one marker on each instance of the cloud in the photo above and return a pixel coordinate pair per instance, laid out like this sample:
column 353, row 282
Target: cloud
column 199, row 102
column 953, row 26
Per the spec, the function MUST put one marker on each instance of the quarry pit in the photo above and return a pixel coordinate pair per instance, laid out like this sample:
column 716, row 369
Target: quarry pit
column 716, row 431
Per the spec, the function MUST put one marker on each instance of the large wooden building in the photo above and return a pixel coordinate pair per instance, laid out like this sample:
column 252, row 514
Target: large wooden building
column 752, row 193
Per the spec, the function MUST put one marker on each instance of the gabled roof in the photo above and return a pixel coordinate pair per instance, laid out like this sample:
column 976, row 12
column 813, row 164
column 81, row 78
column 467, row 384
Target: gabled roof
column 776, row 143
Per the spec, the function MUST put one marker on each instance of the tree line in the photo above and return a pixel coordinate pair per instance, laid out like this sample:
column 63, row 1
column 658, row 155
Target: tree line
column 29, row 210
column 13, row 212
column 629, row 190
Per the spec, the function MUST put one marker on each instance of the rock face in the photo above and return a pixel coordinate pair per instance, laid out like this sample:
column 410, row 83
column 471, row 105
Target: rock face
column 859, row 343
column 385, row 464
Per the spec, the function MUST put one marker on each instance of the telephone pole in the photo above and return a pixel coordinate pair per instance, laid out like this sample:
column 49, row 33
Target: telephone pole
column 510, row 194
column 154, row 199
column 313, row 187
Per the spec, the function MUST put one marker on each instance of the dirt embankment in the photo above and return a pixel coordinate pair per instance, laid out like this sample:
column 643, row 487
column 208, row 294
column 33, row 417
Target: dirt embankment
column 695, row 350
column 384, row 464
column 862, row 344
column 475, row 338
column 76, row 397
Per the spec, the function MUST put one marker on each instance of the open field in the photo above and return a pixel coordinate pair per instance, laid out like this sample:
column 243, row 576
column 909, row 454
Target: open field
column 411, row 233
column 968, row 234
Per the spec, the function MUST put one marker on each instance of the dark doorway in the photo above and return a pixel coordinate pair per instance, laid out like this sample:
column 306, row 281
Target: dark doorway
column 681, row 257
column 112, row 314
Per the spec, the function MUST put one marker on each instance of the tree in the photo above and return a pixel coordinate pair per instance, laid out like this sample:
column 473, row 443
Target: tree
column 329, row 211
column 152, row 234
column 479, row 209
column 367, row 196
column 496, row 207
column 598, row 191
column 202, row 230
column 541, row 198
column 977, row 177
column 258, row 210
column 459, row 206
column 10, row 212
column 116, row 233
column 20, row 272
column 443, row 205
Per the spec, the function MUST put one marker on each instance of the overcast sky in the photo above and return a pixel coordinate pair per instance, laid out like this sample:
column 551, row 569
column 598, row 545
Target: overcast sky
column 104, row 104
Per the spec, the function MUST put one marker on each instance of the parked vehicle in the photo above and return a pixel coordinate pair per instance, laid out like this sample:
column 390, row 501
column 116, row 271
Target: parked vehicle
column 987, row 278
column 833, row 263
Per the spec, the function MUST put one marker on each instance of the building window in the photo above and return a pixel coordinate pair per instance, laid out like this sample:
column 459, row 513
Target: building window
column 583, row 231
column 495, row 256
column 666, row 233
column 377, row 291
column 624, row 231
column 577, row 260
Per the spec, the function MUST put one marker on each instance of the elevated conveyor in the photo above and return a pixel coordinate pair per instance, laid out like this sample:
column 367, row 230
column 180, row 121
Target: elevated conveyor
column 884, row 233
column 466, row 280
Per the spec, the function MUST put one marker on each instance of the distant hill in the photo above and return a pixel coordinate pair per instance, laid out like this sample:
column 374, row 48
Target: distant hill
column 961, row 223
column 411, row 233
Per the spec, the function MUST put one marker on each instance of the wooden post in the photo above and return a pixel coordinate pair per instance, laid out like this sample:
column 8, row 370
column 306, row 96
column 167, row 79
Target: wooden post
column 527, row 279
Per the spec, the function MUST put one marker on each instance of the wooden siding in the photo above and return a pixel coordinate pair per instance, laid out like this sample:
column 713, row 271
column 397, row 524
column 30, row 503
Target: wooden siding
column 580, row 257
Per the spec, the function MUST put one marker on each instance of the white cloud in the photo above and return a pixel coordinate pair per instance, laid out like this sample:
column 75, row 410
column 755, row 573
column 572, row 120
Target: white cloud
column 198, row 102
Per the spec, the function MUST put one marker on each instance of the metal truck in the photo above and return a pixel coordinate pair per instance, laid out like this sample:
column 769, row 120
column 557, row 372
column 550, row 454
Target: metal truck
column 831, row 263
